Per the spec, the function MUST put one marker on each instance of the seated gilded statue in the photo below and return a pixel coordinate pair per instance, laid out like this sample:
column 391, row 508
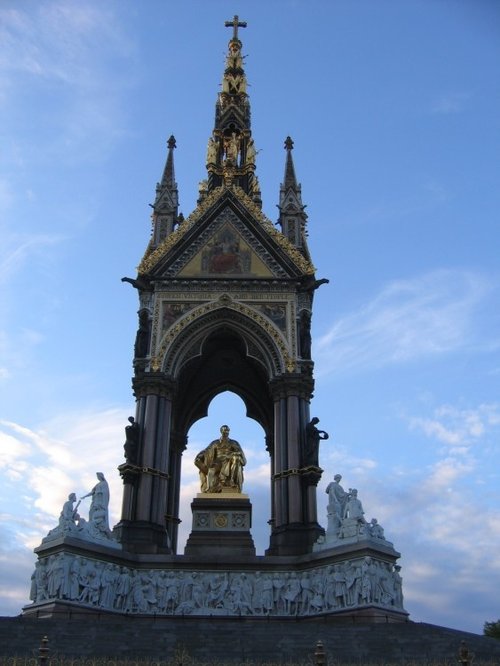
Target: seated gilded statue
column 221, row 464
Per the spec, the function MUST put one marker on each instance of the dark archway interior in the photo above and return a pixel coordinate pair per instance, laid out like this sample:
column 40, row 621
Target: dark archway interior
column 223, row 365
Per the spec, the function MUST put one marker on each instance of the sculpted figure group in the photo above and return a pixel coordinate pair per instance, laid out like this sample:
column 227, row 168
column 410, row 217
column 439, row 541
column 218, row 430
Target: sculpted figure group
column 99, row 584
column 346, row 516
column 71, row 523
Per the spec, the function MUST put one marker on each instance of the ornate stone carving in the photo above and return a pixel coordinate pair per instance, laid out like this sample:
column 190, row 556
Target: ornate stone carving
column 152, row 257
column 346, row 585
column 96, row 528
column 346, row 519
column 254, row 324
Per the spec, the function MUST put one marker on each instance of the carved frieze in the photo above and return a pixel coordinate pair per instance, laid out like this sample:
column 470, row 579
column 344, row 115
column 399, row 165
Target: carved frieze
column 348, row 584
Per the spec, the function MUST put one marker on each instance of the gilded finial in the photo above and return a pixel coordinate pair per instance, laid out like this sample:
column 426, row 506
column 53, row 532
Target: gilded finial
column 288, row 143
column 171, row 142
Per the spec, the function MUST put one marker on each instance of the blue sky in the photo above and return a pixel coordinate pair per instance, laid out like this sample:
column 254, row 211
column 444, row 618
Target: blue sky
column 394, row 108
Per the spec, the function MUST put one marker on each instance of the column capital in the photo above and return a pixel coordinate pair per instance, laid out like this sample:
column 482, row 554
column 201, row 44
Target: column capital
column 154, row 383
column 292, row 384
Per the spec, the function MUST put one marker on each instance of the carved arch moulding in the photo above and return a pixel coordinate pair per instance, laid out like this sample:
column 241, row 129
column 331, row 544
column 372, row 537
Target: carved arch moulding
column 263, row 342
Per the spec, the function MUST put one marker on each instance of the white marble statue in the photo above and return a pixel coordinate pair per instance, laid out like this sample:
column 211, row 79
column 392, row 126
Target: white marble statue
column 346, row 520
column 98, row 512
column 337, row 499
column 376, row 530
column 96, row 529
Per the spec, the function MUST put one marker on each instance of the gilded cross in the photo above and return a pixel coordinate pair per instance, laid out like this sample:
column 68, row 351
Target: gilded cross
column 235, row 23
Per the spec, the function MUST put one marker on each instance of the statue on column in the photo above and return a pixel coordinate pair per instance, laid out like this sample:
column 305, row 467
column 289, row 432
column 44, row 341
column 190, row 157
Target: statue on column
column 142, row 336
column 131, row 440
column 313, row 437
column 221, row 464
column 305, row 339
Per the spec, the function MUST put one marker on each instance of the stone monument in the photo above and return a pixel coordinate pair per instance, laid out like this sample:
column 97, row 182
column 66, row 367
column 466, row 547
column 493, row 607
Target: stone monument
column 225, row 303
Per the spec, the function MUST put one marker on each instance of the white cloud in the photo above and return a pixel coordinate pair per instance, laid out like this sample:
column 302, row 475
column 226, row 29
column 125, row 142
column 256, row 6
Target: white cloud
column 60, row 457
column 56, row 40
column 409, row 319
column 441, row 509
column 458, row 427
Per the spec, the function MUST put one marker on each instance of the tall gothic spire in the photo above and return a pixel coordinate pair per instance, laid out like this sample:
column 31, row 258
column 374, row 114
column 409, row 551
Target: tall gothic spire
column 292, row 218
column 166, row 202
column 231, row 151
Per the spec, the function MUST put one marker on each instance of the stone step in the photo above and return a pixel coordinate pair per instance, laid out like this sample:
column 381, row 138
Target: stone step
column 211, row 639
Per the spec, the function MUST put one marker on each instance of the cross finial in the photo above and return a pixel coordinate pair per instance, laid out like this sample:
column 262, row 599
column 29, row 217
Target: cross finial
column 235, row 24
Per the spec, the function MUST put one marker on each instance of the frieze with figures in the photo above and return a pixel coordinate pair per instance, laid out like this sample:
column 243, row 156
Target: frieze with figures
column 338, row 587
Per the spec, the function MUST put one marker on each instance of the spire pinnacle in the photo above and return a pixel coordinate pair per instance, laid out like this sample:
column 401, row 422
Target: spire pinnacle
column 292, row 217
column 168, row 178
column 290, row 180
column 166, row 202
column 231, row 151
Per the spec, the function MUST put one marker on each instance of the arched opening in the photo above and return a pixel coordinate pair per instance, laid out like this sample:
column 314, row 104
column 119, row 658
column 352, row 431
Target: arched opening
column 228, row 408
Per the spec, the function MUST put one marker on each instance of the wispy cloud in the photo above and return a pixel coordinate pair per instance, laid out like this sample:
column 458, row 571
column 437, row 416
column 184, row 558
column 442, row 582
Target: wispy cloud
column 57, row 458
column 409, row 319
column 68, row 55
column 40, row 466
column 19, row 250
column 458, row 428
column 441, row 508
column 450, row 102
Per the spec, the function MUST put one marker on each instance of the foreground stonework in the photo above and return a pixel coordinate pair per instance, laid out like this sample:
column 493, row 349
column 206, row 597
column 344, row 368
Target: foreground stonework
column 194, row 640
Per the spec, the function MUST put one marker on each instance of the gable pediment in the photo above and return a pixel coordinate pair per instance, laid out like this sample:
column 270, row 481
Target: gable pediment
column 227, row 250
column 226, row 236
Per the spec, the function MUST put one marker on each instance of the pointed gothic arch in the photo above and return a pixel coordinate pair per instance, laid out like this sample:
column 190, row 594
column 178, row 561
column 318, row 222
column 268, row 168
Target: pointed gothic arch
column 226, row 348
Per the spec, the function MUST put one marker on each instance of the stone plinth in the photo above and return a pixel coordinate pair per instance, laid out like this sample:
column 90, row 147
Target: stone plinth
column 221, row 525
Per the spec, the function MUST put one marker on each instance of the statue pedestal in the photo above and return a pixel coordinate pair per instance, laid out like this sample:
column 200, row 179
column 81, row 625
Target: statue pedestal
column 221, row 525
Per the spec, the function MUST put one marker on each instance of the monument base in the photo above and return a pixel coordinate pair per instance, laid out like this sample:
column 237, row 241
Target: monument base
column 74, row 576
column 221, row 526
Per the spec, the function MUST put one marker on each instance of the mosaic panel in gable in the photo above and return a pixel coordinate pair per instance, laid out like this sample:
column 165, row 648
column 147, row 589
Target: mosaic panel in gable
column 226, row 253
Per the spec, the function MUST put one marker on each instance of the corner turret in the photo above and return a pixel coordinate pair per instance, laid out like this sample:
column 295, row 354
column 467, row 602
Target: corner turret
column 165, row 207
column 292, row 217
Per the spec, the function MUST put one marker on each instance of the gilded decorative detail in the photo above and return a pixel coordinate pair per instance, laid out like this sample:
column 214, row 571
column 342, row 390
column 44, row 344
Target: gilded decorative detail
column 276, row 312
column 151, row 258
column 154, row 336
column 283, row 242
column 225, row 301
column 221, row 520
